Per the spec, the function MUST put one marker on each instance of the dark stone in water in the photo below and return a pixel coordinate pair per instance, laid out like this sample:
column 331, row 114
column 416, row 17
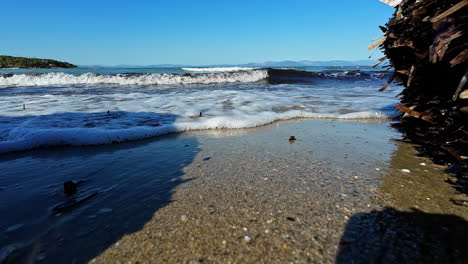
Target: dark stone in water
column 69, row 188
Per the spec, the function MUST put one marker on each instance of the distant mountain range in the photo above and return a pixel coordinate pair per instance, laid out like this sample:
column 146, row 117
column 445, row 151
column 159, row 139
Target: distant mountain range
column 305, row 63
column 287, row 63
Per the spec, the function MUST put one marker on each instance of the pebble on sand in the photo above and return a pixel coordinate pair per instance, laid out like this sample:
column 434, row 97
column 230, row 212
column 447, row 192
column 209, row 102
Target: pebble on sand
column 405, row 170
column 69, row 188
column 183, row 218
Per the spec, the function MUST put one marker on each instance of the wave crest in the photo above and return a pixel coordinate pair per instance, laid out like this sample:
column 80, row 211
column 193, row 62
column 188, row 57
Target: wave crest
column 218, row 69
column 130, row 79
column 81, row 129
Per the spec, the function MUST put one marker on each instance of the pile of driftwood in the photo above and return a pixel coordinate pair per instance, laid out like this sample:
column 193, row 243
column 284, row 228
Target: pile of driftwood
column 426, row 44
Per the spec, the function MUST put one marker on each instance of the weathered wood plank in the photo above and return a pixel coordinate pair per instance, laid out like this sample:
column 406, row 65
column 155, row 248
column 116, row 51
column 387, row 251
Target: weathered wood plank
column 450, row 11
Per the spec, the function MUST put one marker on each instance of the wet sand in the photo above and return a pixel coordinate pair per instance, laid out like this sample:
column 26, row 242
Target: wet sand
column 336, row 194
column 255, row 197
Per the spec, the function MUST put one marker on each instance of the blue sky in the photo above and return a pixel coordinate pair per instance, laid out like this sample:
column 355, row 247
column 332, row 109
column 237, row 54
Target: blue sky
column 200, row 32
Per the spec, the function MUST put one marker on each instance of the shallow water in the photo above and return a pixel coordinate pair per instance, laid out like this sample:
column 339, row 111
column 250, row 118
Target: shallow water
column 231, row 146
column 131, row 182
column 102, row 106
column 323, row 178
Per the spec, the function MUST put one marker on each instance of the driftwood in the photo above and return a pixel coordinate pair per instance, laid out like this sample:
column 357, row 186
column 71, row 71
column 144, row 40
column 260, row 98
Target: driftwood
column 379, row 61
column 450, row 11
column 426, row 44
column 411, row 112
column 376, row 44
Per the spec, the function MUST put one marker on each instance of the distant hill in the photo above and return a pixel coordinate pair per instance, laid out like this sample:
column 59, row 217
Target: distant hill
column 30, row 63
column 129, row 66
column 302, row 63
column 305, row 63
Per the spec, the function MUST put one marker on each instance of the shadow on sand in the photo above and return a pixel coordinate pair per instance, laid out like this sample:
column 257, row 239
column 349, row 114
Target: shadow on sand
column 133, row 180
column 392, row 236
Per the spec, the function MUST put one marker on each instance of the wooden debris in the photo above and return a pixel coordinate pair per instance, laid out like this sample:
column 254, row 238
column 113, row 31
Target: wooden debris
column 388, row 83
column 407, row 110
column 379, row 61
column 463, row 56
column 453, row 152
column 405, row 72
column 450, row 11
column 426, row 44
column 464, row 95
column 441, row 44
column 379, row 37
column 402, row 43
column 376, row 43
column 410, row 76
column 419, row 12
column 413, row 113
column 460, row 87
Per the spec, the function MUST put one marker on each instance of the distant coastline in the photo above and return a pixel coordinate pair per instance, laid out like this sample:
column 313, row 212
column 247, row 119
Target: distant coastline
column 10, row 62
column 287, row 63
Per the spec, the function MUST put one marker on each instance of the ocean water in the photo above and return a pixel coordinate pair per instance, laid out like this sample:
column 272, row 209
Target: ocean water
column 93, row 106
column 131, row 181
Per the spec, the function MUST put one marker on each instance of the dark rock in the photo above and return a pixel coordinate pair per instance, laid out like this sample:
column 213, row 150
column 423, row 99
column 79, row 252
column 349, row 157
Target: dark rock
column 69, row 188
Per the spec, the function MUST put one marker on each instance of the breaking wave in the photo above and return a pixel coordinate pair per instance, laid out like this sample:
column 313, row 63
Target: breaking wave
column 130, row 79
column 218, row 69
column 81, row 129
column 214, row 76
column 91, row 114
column 290, row 76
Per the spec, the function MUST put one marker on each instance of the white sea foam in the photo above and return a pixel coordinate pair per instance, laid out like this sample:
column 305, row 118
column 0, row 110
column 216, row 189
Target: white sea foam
column 131, row 79
column 218, row 69
column 56, row 115
column 116, row 127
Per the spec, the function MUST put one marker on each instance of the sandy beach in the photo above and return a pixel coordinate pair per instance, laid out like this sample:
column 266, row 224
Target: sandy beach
column 234, row 132
column 261, row 199
column 251, row 196
column 243, row 196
